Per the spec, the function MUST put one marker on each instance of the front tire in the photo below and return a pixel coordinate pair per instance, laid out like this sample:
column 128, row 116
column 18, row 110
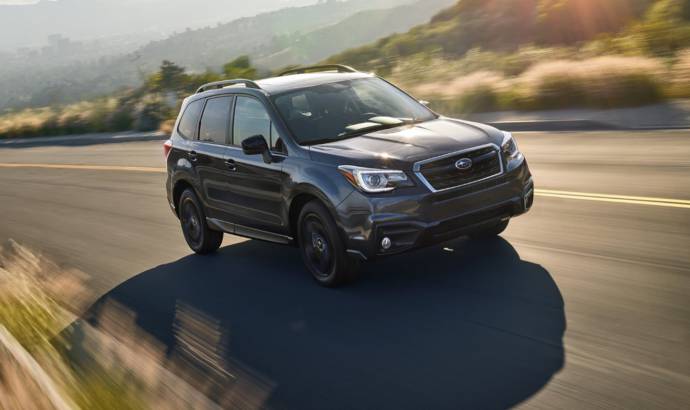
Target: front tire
column 200, row 238
column 322, row 249
column 490, row 231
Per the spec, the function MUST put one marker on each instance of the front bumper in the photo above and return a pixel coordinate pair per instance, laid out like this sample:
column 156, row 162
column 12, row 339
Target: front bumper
column 419, row 218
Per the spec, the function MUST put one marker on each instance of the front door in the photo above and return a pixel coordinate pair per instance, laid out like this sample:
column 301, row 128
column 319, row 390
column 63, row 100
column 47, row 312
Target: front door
column 256, row 187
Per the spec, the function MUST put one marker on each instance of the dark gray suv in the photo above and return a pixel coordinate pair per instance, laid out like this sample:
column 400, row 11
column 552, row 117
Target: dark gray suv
column 340, row 163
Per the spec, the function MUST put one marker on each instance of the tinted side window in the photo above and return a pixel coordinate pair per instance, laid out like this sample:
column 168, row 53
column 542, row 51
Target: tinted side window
column 190, row 119
column 251, row 118
column 214, row 122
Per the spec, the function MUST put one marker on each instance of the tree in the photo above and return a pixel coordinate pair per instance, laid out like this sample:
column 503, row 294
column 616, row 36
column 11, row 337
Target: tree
column 170, row 77
column 666, row 28
column 240, row 67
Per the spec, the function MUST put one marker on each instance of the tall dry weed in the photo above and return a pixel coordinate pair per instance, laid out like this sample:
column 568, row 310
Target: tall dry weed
column 109, row 361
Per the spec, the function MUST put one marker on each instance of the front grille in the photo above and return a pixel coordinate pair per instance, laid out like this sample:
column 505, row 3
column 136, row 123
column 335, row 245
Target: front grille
column 441, row 173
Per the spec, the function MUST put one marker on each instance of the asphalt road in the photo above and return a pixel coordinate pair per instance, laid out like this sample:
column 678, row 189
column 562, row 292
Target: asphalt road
column 584, row 303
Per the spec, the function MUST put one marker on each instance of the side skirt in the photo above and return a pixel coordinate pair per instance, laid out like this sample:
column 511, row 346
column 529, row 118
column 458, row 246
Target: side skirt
column 252, row 233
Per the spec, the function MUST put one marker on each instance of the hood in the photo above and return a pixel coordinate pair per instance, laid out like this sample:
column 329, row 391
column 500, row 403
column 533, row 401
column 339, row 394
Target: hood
column 401, row 147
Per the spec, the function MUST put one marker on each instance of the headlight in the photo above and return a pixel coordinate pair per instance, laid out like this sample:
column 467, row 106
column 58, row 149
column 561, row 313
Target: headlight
column 510, row 151
column 374, row 180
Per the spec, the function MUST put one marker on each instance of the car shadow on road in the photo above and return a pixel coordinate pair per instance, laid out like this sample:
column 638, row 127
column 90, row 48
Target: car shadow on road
column 468, row 326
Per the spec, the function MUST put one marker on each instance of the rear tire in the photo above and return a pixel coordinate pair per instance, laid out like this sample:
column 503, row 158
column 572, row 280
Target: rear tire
column 322, row 249
column 490, row 231
column 200, row 238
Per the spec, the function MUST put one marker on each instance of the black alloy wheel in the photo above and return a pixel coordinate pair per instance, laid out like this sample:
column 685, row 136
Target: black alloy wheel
column 200, row 238
column 322, row 249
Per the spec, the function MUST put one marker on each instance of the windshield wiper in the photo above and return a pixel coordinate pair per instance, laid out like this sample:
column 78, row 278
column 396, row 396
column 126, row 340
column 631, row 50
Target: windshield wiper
column 353, row 133
column 320, row 141
column 363, row 130
column 373, row 124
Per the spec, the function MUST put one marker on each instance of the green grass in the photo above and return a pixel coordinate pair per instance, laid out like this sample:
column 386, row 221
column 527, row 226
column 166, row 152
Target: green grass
column 31, row 322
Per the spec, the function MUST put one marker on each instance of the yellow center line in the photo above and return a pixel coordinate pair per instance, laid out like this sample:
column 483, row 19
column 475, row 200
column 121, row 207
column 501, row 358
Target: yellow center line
column 610, row 196
column 614, row 199
column 548, row 193
column 87, row 167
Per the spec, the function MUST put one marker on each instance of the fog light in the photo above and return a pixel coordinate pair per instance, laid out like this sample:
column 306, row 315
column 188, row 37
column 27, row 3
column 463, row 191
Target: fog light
column 386, row 243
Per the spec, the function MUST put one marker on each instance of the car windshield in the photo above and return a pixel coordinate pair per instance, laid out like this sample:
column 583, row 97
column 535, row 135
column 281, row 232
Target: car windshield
column 335, row 111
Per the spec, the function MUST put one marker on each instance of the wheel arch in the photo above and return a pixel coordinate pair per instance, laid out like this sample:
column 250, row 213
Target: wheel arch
column 303, row 194
column 178, row 188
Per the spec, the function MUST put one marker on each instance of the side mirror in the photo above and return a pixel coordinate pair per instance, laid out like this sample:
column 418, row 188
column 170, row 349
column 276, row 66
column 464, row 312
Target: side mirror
column 257, row 145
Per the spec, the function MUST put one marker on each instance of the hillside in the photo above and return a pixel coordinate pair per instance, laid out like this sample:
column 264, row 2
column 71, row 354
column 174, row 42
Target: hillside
column 488, row 55
column 502, row 25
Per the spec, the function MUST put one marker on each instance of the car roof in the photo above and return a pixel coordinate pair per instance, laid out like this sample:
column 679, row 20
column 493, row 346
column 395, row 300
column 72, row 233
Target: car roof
column 278, row 85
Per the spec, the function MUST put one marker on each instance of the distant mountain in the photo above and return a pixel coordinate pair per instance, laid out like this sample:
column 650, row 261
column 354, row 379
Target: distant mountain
column 296, row 35
column 30, row 25
column 354, row 31
column 256, row 36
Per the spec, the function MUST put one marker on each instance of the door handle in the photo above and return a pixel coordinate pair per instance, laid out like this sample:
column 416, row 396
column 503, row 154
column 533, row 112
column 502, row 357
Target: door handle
column 231, row 165
column 192, row 155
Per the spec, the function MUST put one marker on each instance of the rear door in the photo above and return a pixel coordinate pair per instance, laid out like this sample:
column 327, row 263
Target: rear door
column 256, row 188
column 211, row 156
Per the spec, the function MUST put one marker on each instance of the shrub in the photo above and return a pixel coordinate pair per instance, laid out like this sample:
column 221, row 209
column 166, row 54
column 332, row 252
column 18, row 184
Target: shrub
column 121, row 119
column 478, row 99
column 475, row 92
column 679, row 86
column 602, row 82
column 461, row 85
column 150, row 114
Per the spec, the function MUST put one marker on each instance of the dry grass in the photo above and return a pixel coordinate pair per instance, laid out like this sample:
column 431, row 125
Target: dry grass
column 461, row 85
column 115, row 365
column 25, row 120
column 76, row 117
column 36, row 296
column 600, row 82
column 84, row 117
column 679, row 86
column 597, row 82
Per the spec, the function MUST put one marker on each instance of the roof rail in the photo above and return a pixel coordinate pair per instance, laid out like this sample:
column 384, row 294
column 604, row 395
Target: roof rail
column 225, row 83
column 316, row 68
